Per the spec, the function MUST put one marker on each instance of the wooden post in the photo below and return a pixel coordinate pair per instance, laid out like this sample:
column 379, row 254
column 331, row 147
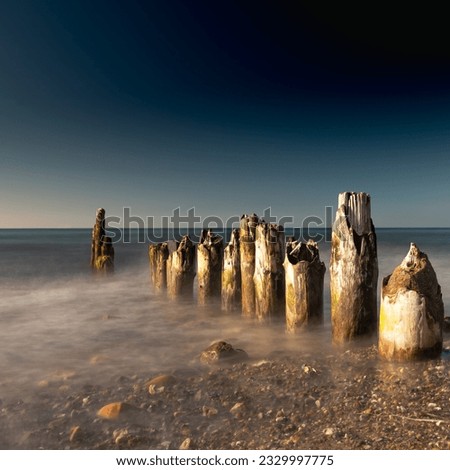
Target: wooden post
column 181, row 267
column 158, row 254
column 353, row 269
column 209, row 266
column 411, row 310
column 102, row 250
column 247, row 254
column 231, row 274
column 269, row 272
column 304, row 275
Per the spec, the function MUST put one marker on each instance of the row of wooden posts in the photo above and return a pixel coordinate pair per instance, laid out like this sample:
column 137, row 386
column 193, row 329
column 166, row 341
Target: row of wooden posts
column 265, row 276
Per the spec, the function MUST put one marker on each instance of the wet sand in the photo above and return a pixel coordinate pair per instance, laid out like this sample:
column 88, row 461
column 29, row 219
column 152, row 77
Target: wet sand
column 346, row 399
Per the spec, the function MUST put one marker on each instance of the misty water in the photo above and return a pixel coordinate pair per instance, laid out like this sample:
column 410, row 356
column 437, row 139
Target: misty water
column 58, row 320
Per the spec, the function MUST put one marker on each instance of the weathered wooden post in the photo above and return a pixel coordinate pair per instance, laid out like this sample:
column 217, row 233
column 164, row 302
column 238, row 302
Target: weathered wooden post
column 247, row 254
column 353, row 269
column 304, row 275
column 102, row 250
column 181, row 267
column 158, row 254
column 231, row 274
column 269, row 271
column 411, row 310
column 209, row 266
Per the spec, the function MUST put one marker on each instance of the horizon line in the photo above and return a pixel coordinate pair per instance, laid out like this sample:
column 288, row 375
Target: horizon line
column 216, row 228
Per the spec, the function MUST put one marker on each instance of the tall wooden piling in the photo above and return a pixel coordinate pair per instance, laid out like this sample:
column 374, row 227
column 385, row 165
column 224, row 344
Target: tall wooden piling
column 102, row 250
column 353, row 269
column 247, row 234
column 209, row 266
column 304, row 276
column 231, row 274
column 411, row 310
column 181, row 268
column 269, row 272
column 158, row 254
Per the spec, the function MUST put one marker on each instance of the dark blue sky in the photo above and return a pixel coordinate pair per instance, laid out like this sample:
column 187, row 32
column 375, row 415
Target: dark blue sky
column 228, row 107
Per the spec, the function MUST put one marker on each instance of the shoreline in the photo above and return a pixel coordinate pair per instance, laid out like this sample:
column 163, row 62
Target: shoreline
column 350, row 399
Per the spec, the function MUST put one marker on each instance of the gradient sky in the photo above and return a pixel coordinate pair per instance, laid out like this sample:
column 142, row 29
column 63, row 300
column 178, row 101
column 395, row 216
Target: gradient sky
column 228, row 107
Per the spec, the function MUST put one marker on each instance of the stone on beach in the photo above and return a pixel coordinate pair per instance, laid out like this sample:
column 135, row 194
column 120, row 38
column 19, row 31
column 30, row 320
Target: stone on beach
column 159, row 383
column 116, row 410
column 222, row 351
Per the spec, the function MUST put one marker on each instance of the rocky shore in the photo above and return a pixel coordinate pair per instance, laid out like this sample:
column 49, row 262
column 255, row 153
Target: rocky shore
column 350, row 399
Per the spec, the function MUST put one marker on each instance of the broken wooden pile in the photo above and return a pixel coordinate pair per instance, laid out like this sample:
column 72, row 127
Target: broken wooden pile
column 265, row 277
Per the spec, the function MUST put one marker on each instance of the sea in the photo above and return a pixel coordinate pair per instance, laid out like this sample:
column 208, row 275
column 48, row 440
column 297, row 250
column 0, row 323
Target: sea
column 57, row 319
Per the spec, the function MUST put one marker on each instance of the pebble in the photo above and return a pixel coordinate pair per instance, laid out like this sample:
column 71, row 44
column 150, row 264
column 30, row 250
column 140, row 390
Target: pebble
column 120, row 436
column 75, row 434
column 116, row 410
column 221, row 351
column 237, row 409
column 209, row 411
column 187, row 444
column 160, row 383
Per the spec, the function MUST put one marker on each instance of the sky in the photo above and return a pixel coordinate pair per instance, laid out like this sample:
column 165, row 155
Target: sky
column 228, row 107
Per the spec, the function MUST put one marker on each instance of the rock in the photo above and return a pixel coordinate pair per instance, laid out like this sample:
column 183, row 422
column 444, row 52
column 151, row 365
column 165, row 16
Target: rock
column 75, row 434
column 328, row 431
column 121, row 436
column 160, row 383
column 237, row 409
column 222, row 351
column 117, row 410
column 209, row 411
column 187, row 444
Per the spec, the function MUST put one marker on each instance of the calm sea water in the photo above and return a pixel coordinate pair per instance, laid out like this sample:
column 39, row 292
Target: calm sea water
column 56, row 318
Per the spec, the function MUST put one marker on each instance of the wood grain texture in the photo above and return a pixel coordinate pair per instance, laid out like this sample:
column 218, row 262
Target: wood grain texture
column 247, row 235
column 269, row 272
column 209, row 266
column 181, row 268
column 353, row 269
column 231, row 274
column 411, row 310
column 304, row 277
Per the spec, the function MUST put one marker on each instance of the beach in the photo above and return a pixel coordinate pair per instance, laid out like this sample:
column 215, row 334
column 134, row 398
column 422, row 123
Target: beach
column 73, row 343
